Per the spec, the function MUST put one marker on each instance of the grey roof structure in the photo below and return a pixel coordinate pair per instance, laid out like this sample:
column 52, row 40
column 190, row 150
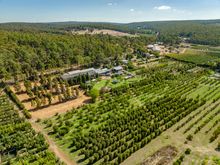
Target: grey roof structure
column 103, row 71
column 72, row 74
column 118, row 68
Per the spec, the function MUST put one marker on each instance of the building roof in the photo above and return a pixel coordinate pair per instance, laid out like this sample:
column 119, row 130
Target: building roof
column 156, row 48
column 102, row 71
column 118, row 68
column 75, row 73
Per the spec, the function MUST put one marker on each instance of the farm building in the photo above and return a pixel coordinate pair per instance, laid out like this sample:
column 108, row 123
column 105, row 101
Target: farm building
column 155, row 47
column 76, row 73
column 118, row 70
column 103, row 72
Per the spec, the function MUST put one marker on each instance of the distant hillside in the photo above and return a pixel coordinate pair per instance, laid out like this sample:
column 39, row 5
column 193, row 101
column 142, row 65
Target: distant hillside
column 60, row 27
column 199, row 31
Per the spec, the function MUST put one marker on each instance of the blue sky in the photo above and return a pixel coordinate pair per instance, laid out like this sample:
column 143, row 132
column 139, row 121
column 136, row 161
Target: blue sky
column 107, row 10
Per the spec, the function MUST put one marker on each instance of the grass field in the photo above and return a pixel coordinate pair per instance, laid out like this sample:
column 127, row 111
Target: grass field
column 109, row 82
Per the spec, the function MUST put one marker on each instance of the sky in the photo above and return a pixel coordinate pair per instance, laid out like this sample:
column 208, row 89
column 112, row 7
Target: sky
column 122, row 11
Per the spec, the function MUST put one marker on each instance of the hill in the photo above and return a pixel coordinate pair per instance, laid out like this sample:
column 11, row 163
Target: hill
column 205, row 32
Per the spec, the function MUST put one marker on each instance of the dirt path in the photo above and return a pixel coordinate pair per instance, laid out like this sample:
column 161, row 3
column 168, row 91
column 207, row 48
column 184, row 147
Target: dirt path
column 183, row 51
column 52, row 146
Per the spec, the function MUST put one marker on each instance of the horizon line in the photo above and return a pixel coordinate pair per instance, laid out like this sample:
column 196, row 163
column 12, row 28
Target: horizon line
column 106, row 22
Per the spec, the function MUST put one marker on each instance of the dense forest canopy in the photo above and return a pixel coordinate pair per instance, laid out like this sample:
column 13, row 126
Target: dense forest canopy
column 199, row 31
column 62, row 27
column 23, row 52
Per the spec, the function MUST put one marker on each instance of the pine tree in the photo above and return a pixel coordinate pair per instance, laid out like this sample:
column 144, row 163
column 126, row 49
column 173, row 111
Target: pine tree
column 60, row 98
column 49, row 97
column 33, row 103
column 38, row 102
column 17, row 87
column 77, row 92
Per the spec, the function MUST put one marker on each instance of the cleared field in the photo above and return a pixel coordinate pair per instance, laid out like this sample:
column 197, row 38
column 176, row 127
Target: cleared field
column 163, row 156
column 127, row 121
column 52, row 110
column 103, row 31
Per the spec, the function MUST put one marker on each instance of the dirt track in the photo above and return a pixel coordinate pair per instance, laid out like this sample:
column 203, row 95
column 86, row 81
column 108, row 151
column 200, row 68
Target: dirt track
column 52, row 146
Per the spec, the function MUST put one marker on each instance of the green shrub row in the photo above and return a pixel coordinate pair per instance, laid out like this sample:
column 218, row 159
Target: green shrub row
column 14, row 98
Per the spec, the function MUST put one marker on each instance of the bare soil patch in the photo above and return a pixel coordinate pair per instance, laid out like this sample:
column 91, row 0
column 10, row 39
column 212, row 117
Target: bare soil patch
column 103, row 31
column 60, row 108
column 163, row 156
column 55, row 107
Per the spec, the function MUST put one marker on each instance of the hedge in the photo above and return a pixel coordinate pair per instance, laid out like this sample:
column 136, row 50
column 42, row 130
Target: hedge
column 14, row 98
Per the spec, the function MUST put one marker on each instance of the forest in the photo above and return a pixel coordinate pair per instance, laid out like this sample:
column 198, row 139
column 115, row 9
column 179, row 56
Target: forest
column 205, row 32
column 25, row 52
column 198, row 32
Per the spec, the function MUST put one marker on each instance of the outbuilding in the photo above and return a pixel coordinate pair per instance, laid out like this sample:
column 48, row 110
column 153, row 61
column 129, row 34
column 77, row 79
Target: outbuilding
column 76, row 73
column 118, row 69
column 103, row 72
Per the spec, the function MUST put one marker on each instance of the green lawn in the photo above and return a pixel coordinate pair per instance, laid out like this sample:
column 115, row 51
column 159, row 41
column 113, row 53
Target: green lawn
column 108, row 83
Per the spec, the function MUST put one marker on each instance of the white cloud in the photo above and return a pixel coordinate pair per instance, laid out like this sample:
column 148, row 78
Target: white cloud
column 132, row 10
column 163, row 7
column 112, row 4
